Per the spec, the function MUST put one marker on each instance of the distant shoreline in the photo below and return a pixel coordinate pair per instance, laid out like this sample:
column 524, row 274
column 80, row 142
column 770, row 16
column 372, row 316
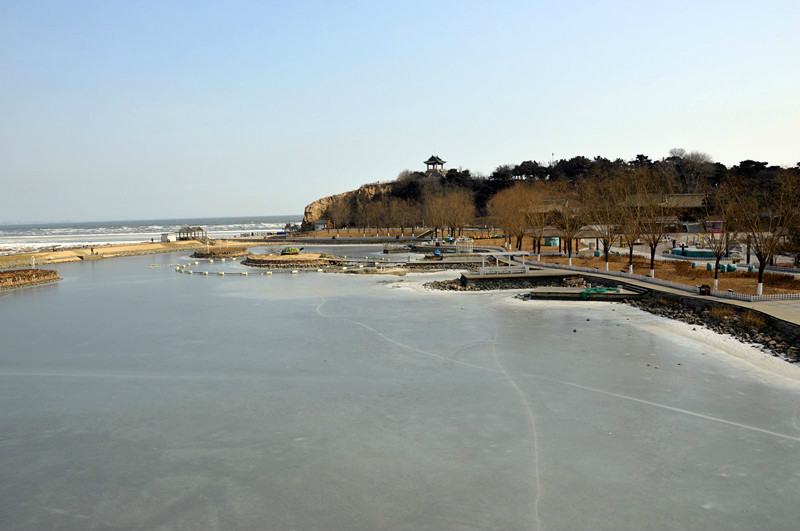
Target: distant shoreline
column 34, row 259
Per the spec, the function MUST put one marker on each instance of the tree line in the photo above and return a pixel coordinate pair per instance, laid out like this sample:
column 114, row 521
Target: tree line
column 628, row 201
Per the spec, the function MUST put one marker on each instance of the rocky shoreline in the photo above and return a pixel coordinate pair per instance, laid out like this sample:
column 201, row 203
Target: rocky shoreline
column 748, row 326
column 779, row 338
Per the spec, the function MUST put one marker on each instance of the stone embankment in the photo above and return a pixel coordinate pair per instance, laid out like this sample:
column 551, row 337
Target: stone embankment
column 285, row 262
column 749, row 326
column 490, row 284
column 220, row 253
column 20, row 278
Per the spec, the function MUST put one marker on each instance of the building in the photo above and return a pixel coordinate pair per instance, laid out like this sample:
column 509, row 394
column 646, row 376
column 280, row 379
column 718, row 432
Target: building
column 192, row 233
column 713, row 224
column 323, row 224
column 168, row 236
column 434, row 165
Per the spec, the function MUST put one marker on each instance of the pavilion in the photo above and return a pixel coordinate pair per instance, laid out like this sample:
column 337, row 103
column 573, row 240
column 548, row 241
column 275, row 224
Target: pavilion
column 191, row 233
column 434, row 164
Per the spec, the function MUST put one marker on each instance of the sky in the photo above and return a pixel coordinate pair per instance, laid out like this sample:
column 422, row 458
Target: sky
column 170, row 109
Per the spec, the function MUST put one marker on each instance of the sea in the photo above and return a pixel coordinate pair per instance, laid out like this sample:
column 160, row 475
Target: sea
column 24, row 237
column 137, row 396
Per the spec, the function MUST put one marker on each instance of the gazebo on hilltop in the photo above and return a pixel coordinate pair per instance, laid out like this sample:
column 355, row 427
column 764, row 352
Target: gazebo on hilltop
column 434, row 164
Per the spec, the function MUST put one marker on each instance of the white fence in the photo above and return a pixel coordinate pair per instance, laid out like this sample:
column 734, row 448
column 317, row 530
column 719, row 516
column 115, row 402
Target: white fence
column 754, row 298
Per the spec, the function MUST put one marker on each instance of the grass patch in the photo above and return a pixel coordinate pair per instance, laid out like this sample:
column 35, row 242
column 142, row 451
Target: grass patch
column 753, row 320
column 722, row 313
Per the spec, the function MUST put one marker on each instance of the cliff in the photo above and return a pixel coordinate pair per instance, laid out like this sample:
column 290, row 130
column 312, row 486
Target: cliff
column 316, row 210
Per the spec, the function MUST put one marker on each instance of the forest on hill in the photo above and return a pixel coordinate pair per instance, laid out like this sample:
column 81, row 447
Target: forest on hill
column 632, row 200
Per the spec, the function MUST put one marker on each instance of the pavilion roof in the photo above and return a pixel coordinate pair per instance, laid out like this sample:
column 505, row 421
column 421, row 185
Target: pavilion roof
column 434, row 160
column 546, row 205
column 685, row 200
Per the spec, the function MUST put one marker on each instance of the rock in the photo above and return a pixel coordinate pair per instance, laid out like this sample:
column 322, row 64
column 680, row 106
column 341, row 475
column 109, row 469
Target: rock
column 316, row 210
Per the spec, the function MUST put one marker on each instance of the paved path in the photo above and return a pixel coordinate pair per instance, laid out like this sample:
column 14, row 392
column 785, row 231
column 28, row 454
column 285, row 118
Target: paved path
column 785, row 310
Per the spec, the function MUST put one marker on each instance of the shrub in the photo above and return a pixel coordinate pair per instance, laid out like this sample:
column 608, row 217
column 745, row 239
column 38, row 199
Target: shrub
column 290, row 250
column 682, row 267
column 753, row 320
column 782, row 280
column 722, row 313
column 661, row 301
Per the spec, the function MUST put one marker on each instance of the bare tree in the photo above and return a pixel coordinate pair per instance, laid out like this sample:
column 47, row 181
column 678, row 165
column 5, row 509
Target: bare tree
column 653, row 210
column 764, row 213
column 538, row 214
column 339, row 212
column 508, row 208
column 403, row 213
column 719, row 207
column 433, row 209
column 365, row 214
column 630, row 227
column 604, row 206
column 690, row 171
column 568, row 215
column 459, row 209
column 382, row 213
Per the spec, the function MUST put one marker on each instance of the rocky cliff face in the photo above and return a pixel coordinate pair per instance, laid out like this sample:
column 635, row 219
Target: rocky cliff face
column 316, row 210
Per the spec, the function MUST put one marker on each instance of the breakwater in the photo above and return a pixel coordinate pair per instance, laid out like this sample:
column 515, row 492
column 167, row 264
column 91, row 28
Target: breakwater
column 288, row 264
column 220, row 253
column 488, row 284
column 19, row 278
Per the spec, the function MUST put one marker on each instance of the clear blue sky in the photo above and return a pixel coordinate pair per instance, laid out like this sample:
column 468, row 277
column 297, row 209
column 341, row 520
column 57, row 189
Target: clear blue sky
column 121, row 110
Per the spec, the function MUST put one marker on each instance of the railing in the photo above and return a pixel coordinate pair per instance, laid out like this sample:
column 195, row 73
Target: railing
column 502, row 270
column 620, row 274
column 755, row 298
column 676, row 285
column 783, row 269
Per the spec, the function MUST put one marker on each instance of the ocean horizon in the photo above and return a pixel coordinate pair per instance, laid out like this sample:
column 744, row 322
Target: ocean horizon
column 22, row 237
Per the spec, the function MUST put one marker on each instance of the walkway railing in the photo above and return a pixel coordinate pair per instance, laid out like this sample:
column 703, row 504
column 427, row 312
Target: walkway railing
column 675, row 285
column 502, row 270
column 783, row 269
column 620, row 274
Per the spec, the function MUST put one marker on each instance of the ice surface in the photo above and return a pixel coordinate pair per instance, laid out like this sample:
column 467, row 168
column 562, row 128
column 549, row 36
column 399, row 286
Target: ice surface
column 136, row 397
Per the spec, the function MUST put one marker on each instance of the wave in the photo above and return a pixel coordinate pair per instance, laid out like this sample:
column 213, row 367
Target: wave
column 35, row 236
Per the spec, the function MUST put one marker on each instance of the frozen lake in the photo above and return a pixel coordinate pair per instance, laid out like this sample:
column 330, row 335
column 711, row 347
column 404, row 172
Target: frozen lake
column 139, row 398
